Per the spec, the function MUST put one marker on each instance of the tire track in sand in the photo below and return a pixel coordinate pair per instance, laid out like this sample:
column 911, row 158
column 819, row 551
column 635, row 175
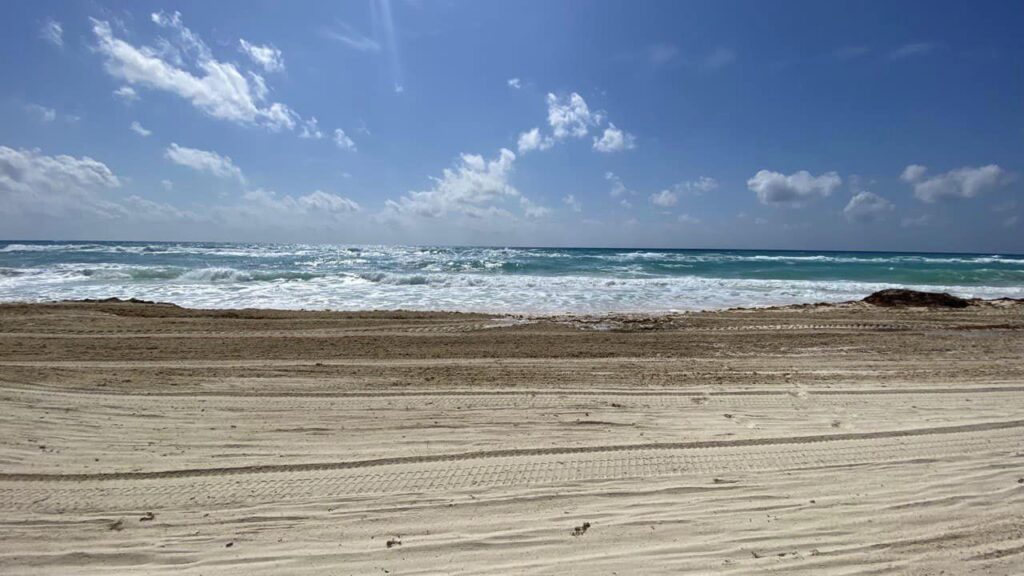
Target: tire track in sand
column 510, row 467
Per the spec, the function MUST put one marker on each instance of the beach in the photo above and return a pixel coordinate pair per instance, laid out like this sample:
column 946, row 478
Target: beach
column 141, row 438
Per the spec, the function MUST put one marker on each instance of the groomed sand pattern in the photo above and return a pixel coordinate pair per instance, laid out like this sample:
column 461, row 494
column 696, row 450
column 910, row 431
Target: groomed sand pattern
column 845, row 439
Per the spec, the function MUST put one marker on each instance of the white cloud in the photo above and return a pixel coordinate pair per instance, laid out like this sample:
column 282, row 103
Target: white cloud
column 1011, row 221
column 52, row 32
column 913, row 49
column 614, row 140
column 794, row 189
column 343, row 141
column 618, row 187
column 311, row 129
column 167, row 184
column 351, row 38
column 913, row 173
column 866, row 207
column 126, row 94
column 574, row 204
column 474, row 187
column 698, row 186
column 45, row 114
column 317, row 202
column 204, row 161
column 665, row 199
column 34, row 183
column 138, row 129
column 514, row 83
column 266, row 56
column 687, row 219
column 221, row 91
column 531, row 210
column 138, row 208
column 966, row 182
column 570, row 116
column 625, row 204
column 720, row 58
column 533, row 140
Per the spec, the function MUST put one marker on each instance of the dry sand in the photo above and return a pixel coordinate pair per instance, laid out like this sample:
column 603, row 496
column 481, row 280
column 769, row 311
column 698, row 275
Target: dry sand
column 148, row 439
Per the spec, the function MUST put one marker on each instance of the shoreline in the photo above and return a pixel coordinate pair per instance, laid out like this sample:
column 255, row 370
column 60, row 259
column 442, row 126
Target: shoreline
column 567, row 316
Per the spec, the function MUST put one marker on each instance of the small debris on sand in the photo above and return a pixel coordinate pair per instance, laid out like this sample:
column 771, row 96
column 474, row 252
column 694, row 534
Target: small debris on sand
column 581, row 529
column 149, row 516
column 394, row 542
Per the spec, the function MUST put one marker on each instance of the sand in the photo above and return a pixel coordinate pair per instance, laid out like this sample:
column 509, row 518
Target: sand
column 149, row 439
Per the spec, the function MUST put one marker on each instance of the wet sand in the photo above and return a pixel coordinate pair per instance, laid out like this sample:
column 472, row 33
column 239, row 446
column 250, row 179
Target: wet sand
column 846, row 439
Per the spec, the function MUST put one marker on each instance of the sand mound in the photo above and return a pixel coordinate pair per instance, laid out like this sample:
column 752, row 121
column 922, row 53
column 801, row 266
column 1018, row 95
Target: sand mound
column 893, row 298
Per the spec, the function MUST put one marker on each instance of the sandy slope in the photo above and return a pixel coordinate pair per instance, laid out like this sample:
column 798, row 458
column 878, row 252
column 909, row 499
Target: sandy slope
column 815, row 440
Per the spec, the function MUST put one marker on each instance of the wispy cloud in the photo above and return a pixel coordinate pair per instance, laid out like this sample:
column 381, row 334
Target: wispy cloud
column 140, row 130
column 351, row 38
column 52, row 32
column 850, row 52
column 45, row 114
column 720, row 58
column 911, row 50
column 204, row 161
column 267, row 57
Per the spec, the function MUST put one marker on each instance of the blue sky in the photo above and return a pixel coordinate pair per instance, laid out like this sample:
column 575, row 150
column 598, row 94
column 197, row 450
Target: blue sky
column 805, row 125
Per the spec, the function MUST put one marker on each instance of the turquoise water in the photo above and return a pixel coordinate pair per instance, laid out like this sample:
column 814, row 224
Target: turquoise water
column 527, row 280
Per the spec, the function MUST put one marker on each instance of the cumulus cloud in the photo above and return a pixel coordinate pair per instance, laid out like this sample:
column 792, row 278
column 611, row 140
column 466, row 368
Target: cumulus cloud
column 266, row 56
column 220, row 90
column 126, row 94
column 794, row 189
column 866, row 207
column 138, row 129
column 474, row 187
column 204, row 161
column 665, row 199
column 913, row 173
column 34, row 183
column 343, row 141
column 966, row 182
column 311, row 129
column 533, row 140
column 514, row 83
column 618, row 187
column 573, row 203
column 532, row 210
column 318, row 202
column 614, row 140
column 52, row 32
column 570, row 116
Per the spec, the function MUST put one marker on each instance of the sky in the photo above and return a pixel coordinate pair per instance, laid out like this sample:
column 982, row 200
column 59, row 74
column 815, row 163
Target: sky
column 728, row 124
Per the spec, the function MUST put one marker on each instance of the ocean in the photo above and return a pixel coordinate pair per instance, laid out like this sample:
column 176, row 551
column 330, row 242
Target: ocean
column 503, row 280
